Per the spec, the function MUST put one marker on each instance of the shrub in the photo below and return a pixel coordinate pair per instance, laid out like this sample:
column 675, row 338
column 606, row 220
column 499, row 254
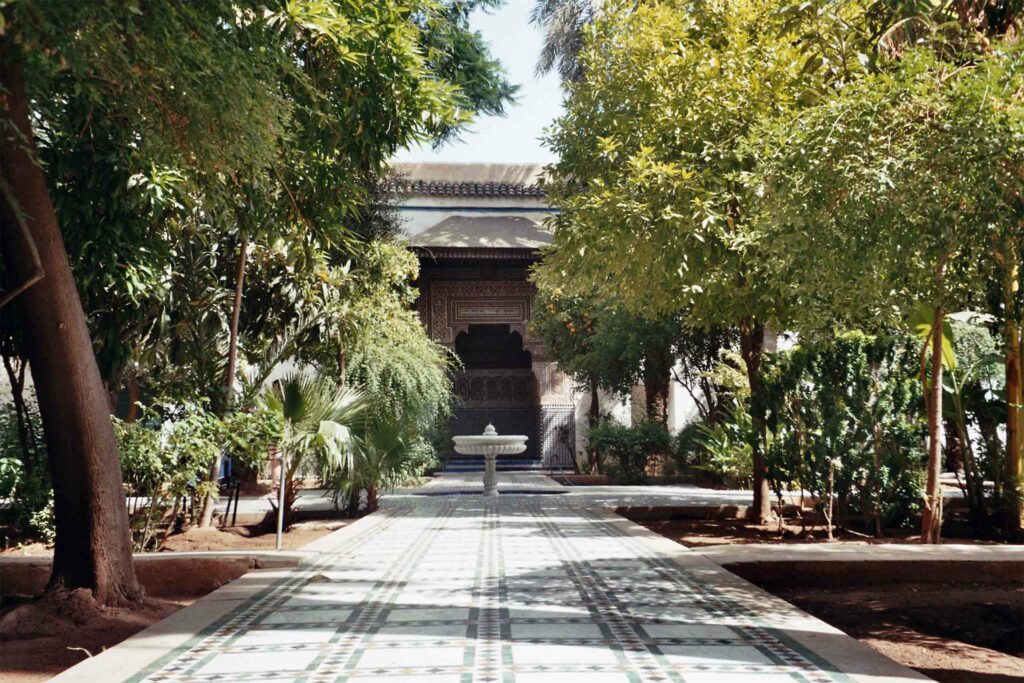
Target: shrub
column 163, row 455
column 388, row 452
column 724, row 448
column 844, row 424
column 24, row 478
column 316, row 421
column 629, row 448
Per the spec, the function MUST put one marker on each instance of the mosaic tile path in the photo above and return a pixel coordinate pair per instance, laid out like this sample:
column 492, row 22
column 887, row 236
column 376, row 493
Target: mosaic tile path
column 521, row 589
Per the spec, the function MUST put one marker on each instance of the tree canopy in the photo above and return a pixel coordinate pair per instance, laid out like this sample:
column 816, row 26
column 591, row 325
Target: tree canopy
column 169, row 148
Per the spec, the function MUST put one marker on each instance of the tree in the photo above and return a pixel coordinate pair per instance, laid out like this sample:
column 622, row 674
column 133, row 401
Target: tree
column 564, row 22
column 883, row 195
column 650, row 173
column 461, row 56
column 388, row 352
column 297, row 88
column 607, row 348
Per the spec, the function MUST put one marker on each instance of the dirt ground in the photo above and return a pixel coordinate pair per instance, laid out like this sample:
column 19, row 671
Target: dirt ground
column 696, row 533
column 232, row 538
column 951, row 631
column 250, row 537
column 40, row 639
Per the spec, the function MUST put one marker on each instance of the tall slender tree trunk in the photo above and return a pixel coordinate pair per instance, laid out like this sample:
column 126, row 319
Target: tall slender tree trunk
column 1013, row 463
column 931, row 520
column 206, row 518
column 93, row 547
column 752, row 348
column 593, row 417
column 236, row 313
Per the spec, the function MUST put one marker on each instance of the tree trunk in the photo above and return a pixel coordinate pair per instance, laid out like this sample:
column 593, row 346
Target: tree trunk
column 341, row 365
column 206, row 518
column 1013, row 463
column 16, row 378
column 93, row 547
column 752, row 348
column 931, row 520
column 974, row 480
column 656, row 389
column 594, row 416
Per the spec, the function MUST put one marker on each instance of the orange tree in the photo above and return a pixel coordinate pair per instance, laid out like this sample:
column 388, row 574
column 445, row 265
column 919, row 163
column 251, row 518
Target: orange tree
column 903, row 191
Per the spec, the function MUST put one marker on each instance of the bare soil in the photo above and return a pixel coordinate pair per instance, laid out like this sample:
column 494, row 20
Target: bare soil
column 194, row 539
column 249, row 537
column 41, row 638
column 697, row 533
column 953, row 631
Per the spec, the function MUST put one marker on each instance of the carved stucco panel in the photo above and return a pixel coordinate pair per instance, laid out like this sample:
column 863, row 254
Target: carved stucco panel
column 454, row 306
column 554, row 388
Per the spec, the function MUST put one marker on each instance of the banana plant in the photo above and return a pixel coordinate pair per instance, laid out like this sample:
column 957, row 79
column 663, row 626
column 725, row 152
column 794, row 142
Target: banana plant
column 964, row 385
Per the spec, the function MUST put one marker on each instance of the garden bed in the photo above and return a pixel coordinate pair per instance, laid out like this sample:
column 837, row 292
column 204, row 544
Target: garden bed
column 952, row 632
column 40, row 639
column 43, row 639
column 697, row 526
column 252, row 537
column 257, row 537
column 954, row 621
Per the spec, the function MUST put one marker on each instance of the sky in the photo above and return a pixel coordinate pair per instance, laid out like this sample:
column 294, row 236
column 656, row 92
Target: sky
column 513, row 138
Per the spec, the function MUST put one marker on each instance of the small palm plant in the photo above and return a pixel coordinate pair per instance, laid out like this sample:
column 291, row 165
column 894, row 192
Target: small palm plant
column 318, row 422
column 386, row 453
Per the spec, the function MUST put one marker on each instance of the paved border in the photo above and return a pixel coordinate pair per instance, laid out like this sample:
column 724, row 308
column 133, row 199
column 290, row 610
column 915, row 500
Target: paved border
column 126, row 659
column 810, row 637
column 862, row 552
column 842, row 651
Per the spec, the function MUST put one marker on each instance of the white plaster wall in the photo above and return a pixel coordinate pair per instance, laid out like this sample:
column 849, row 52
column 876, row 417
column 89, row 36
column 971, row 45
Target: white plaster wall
column 416, row 221
column 682, row 408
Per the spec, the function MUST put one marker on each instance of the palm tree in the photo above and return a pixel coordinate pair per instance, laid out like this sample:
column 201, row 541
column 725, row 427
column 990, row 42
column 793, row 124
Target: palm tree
column 318, row 420
column 564, row 23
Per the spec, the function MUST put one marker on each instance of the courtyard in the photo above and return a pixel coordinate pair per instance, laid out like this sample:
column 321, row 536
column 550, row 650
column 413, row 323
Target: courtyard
column 537, row 585
column 512, row 341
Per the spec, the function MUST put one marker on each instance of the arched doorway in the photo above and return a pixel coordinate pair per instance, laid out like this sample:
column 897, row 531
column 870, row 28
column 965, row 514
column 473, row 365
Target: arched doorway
column 496, row 385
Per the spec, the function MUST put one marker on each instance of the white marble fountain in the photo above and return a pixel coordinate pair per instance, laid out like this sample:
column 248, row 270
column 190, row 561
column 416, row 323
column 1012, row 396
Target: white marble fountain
column 490, row 445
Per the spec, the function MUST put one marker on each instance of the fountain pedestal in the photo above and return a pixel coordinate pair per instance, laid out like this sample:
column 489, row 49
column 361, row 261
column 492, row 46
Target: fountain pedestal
column 490, row 445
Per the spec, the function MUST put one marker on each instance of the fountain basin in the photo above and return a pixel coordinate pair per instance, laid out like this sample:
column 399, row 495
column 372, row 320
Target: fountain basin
column 490, row 444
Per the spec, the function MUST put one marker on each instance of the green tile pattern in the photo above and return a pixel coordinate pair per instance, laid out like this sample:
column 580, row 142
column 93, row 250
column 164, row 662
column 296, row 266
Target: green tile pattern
column 514, row 590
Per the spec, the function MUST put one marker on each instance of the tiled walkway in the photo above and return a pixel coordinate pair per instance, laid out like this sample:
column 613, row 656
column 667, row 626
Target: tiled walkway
column 523, row 589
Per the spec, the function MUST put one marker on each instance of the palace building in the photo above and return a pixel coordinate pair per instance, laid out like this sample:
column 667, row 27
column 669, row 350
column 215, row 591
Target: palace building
column 477, row 229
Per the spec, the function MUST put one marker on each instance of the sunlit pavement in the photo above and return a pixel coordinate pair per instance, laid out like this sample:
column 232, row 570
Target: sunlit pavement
column 533, row 586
